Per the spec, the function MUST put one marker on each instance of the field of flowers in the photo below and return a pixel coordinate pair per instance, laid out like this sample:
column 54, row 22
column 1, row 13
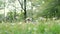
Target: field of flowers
column 49, row 27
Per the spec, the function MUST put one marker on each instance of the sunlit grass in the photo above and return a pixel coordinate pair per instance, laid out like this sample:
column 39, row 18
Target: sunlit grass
column 49, row 27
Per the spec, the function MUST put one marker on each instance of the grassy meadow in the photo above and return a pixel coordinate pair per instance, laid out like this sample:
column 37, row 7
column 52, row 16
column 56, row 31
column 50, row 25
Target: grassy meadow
column 42, row 27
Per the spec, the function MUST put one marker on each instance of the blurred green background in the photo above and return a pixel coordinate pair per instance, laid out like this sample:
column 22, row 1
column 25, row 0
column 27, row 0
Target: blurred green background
column 41, row 16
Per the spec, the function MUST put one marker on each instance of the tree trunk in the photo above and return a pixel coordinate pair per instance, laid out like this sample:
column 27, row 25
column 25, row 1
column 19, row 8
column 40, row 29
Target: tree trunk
column 25, row 16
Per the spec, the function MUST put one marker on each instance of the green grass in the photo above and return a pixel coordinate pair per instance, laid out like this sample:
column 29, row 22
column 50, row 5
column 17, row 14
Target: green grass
column 49, row 27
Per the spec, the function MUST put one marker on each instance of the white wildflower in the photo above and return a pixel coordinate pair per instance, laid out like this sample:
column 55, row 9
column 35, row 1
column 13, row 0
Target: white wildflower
column 41, row 18
column 34, row 28
column 29, row 28
column 43, row 2
column 58, row 21
column 54, row 18
column 12, row 23
column 46, row 29
column 36, row 21
column 20, row 23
